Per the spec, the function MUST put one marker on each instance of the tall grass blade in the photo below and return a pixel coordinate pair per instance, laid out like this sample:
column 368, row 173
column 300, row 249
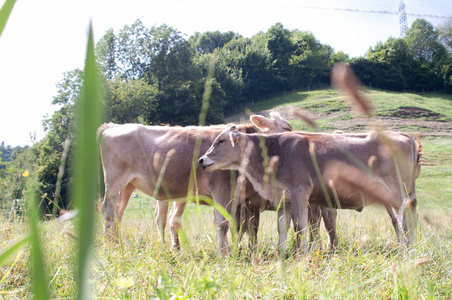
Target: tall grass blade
column 6, row 274
column 39, row 276
column 5, row 255
column 5, row 12
column 202, row 121
column 86, row 161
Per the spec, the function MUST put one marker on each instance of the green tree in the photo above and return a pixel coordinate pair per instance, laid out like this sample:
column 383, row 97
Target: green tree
column 228, row 73
column 445, row 34
column 132, row 101
column 171, row 59
column 402, row 64
column 10, row 185
column 58, row 127
column 158, row 78
column 281, row 48
column 310, row 61
column 106, row 53
column 208, row 42
column 133, row 50
column 339, row 57
column 393, row 64
column 181, row 103
column 12, row 181
column 423, row 41
column 259, row 75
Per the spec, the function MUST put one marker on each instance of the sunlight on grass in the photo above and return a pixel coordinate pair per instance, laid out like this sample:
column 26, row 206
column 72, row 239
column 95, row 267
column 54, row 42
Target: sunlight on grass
column 73, row 259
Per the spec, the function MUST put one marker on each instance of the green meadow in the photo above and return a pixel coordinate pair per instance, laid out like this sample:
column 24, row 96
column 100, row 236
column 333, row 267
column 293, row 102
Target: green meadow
column 368, row 264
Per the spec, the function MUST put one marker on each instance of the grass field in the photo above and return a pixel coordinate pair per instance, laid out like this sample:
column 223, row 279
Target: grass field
column 368, row 263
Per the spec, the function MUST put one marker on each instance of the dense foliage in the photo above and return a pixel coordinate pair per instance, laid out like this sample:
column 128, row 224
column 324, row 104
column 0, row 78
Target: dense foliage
column 156, row 76
column 420, row 62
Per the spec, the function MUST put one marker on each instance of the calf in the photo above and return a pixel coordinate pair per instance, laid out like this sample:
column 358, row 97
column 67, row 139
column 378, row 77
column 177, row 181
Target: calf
column 330, row 170
column 158, row 160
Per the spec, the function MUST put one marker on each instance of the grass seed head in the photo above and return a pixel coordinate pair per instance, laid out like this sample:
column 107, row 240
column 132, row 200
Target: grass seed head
column 344, row 79
column 349, row 182
column 303, row 115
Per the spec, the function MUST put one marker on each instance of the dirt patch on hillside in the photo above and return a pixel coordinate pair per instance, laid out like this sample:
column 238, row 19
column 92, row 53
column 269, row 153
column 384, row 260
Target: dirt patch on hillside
column 415, row 112
column 407, row 119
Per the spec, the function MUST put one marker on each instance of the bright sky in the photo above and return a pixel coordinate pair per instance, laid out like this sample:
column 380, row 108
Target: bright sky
column 43, row 39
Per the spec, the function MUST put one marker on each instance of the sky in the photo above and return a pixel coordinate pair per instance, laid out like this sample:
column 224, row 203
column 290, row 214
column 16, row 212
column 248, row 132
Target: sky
column 44, row 39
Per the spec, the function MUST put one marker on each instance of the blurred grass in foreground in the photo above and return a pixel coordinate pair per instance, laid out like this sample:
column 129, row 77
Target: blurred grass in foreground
column 84, row 189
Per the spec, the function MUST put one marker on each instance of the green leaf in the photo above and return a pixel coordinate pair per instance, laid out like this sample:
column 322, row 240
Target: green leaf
column 5, row 255
column 86, row 162
column 5, row 12
column 39, row 275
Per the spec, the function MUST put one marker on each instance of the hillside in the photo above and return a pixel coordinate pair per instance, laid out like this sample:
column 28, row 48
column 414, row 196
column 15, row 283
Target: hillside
column 429, row 114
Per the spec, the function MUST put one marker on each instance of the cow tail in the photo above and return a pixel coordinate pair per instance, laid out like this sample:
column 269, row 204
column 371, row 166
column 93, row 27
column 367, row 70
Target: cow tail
column 419, row 153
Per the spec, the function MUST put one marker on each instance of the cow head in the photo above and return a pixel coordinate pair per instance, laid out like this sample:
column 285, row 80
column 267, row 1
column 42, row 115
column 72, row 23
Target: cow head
column 225, row 152
column 274, row 124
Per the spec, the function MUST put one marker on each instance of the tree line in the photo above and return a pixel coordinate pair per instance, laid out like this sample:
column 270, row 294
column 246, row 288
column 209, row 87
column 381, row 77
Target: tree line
column 156, row 76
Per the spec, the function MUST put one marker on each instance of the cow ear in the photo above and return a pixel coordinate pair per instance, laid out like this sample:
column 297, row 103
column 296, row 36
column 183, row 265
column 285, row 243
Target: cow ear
column 263, row 123
column 234, row 137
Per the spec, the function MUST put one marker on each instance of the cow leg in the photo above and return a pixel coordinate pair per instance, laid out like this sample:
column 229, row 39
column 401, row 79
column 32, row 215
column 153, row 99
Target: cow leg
column 115, row 202
column 410, row 220
column 329, row 220
column 284, row 217
column 222, row 226
column 247, row 218
column 396, row 223
column 110, row 212
column 241, row 219
column 160, row 214
column 175, row 220
column 125, row 197
column 253, row 226
column 300, row 208
column 315, row 217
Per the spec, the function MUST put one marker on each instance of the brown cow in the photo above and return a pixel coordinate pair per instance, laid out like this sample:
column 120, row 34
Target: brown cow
column 325, row 169
column 133, row 156
column 254, row 205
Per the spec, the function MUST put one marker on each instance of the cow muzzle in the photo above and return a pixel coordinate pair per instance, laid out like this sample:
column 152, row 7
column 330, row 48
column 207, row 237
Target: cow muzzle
column 205, row 162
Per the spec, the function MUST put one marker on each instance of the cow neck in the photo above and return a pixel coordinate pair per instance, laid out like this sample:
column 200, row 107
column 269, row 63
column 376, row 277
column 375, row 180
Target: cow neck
column 254, row 169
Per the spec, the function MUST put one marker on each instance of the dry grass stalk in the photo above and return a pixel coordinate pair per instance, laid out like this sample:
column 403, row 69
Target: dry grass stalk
column 303, row 115
column 422, row 261
column 240, row 189
column 371, row 161
column 311, row 148
column 343, row 78
column 351, row 183
column 272, row 164
column 432, row 222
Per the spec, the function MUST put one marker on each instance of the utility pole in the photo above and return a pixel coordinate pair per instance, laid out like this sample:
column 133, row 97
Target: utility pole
column 402, row 19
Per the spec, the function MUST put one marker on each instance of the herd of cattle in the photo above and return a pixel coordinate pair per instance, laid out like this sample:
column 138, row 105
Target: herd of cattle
column 304, row 176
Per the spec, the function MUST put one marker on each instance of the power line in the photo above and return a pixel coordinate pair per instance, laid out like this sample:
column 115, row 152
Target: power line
column 372, row 11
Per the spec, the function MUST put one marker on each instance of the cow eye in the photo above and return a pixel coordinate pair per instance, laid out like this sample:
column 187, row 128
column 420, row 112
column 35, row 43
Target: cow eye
column 221, row 141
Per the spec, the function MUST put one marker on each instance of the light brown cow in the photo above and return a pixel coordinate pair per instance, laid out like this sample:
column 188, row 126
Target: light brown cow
column 133, row 156
column 314, row 168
